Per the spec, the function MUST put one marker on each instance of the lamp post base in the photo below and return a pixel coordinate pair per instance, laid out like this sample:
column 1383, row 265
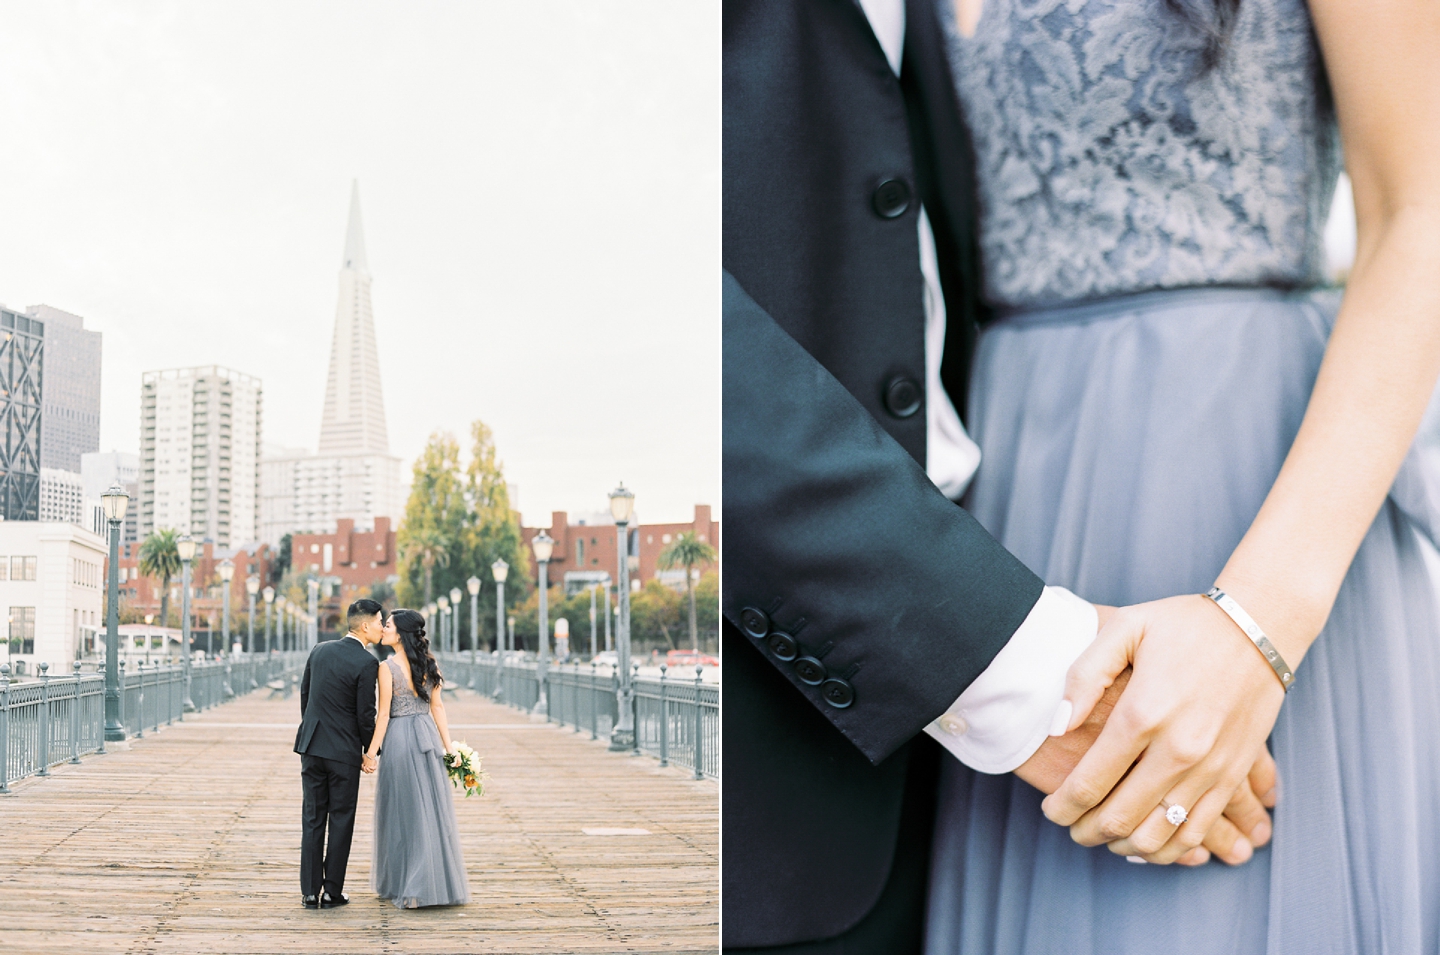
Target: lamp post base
column 622, row 740
column 115, row 733
column 189, row 706
column 541, row 707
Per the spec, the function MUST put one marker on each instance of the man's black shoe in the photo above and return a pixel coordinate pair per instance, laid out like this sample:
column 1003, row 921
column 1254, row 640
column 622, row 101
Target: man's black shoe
column 328, row 901
column 311, row 901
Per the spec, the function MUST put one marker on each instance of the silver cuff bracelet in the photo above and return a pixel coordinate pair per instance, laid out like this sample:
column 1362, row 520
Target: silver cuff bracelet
column 1257, row 636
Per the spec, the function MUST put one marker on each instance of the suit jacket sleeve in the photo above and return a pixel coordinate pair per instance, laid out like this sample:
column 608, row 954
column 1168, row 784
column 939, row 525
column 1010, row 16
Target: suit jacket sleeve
column 365, row 708
column 835, row 537
column 305, row 689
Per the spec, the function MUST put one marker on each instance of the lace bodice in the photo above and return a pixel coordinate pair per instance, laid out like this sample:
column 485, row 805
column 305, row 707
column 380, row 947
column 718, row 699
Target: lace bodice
column 403, row 701
column 1109, row 161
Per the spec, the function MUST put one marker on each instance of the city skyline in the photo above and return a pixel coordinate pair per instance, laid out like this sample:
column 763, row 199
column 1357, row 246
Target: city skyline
column 541, row 227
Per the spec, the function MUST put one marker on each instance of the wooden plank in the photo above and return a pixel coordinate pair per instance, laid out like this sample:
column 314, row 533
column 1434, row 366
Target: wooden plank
column 189, row 842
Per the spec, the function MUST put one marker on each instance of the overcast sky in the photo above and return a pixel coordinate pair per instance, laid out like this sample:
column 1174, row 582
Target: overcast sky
column 540, row 190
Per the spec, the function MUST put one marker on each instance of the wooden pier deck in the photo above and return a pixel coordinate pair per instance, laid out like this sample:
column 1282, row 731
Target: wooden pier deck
column 189, row 842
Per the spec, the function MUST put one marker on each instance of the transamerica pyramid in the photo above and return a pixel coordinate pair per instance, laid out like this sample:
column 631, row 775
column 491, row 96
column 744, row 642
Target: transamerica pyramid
column 353, row 421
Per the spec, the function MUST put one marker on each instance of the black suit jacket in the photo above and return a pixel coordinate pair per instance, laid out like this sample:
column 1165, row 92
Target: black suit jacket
column 859, row 602
column 337, row 701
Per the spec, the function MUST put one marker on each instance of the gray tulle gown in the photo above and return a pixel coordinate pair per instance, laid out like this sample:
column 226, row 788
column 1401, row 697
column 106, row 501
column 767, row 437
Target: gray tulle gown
column 417, row 860
column 1151, row 235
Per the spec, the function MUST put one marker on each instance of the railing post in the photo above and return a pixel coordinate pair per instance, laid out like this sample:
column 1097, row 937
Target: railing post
column 44, row 720
column 635, row 707
column 699, row 724
column 5, row 728
column 594, row 705
column 664, row 722
column 140, row 725
column 75, row 718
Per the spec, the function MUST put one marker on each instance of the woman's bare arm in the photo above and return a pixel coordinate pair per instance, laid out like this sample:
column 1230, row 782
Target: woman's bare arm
column 437, row 710
column 382, row 718
column 1201, row 700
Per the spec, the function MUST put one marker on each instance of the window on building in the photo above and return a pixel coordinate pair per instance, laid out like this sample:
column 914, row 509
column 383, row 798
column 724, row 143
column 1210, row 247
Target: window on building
column 579, row 552
column 22, row 628
column 4, row 568
column 664, row 538
column 22, row 568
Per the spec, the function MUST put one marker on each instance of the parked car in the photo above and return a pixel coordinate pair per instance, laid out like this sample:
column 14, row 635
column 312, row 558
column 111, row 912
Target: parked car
column 680, row 658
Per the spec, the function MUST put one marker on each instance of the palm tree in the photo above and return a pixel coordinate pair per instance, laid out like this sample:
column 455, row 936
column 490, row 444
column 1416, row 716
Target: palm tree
column 687, row 551
column 159, row 557
column 430, row 547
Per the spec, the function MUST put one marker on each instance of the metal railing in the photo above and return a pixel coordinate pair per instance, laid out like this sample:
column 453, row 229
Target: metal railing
column 676, row 719
column 58, row 719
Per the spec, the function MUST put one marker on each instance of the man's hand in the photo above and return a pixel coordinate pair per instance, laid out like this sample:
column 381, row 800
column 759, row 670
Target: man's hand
column 368, row 763
column 1189, row 728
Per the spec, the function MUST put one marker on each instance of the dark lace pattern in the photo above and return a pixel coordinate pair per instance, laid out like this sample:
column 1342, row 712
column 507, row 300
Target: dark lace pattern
column 403, row 701
column 1110, row 161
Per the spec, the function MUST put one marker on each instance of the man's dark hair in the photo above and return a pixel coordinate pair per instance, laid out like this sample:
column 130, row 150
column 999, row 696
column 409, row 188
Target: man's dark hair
column 360, row 611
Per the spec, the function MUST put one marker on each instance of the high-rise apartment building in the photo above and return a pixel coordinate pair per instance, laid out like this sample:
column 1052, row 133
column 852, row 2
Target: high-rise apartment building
column 70, row 398
column 354, row 476
column 22, row 358
column 200, row 453
column 62, row 497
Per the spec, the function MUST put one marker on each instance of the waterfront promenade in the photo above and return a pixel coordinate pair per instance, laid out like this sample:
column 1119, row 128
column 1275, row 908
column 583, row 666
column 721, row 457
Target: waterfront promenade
column 188, row 842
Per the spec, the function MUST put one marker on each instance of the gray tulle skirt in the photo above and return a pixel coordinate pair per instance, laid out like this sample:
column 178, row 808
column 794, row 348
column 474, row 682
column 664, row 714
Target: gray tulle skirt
column 417, row 860
column 1127, row 446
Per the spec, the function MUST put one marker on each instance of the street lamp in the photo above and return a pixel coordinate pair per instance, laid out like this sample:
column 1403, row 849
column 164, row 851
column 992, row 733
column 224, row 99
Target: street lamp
column 185, row 546
column 500, row 570
column 115, row 502
column 455, row 619
column 592, row 620
column 544, row 546
column 227, row 574
column 444, row 605
column 252, row 587
column 622, row 506
column 269, row 594
column 473, row 585
column 312, row 634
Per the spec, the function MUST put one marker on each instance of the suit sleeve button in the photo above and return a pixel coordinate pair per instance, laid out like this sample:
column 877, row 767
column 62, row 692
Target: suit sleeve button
column 783, row 646
column 754, row 622
column 810, row 670
column 902, row 396
column 838, row 693
column 891, row 198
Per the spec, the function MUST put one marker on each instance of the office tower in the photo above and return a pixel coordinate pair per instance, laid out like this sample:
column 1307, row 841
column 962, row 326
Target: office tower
column 70, row 398
column 200, row 453
column 22, row 345
column 354, row 476
column 62, row 497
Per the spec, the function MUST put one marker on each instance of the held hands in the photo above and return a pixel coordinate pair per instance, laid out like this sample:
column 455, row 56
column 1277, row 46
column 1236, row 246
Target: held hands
column 368, row 763
column 1192, row 723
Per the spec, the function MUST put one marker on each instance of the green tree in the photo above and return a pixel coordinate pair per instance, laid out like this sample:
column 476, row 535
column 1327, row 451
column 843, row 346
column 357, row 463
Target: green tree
column 160, row 557
column 458, row 521
column 280, row 566
column 707, row 599
column 655, row 616
column 686, row 551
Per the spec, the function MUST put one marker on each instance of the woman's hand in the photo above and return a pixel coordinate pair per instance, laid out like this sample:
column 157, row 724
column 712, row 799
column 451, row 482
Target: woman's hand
column 1192, row 722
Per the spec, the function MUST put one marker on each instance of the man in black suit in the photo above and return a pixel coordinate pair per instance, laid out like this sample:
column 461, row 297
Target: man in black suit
column 337, row 720
column 860, row 602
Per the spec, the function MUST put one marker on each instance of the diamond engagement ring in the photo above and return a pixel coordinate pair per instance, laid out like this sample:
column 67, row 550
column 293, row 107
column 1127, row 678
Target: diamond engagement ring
column 1175, row 815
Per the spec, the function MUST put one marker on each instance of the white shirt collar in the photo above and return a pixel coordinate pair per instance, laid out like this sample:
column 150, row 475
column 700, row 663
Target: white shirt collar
column 357, row 639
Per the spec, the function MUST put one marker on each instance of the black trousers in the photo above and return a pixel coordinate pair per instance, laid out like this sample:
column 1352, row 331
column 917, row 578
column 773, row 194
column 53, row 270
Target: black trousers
column 331, row 790
column 896, row 925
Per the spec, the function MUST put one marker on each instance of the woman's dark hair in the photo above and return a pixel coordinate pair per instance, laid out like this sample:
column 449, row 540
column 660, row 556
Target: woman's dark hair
column 1214, row 19
column 424, row 671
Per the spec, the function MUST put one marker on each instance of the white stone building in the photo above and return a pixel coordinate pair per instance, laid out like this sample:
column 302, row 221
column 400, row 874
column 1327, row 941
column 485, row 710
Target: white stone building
column 51, row 593
column 354, row 476
column 200, row 453
column 62, row 497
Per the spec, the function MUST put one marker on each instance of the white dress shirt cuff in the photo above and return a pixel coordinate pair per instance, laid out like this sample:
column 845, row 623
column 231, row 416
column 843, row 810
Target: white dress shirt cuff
column 1002, row 718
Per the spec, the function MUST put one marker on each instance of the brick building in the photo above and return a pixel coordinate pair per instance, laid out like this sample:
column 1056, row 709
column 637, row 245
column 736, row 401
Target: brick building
column 358, row 559
column 591, row 547
column 141, row 594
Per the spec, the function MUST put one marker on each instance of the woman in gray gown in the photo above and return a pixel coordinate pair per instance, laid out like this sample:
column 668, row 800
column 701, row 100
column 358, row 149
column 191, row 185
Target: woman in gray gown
column 1153, row 181
column 417, row 860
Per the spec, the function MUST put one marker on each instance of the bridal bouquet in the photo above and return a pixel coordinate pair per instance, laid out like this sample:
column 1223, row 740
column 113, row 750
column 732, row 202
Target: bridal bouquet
column 463, row 765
